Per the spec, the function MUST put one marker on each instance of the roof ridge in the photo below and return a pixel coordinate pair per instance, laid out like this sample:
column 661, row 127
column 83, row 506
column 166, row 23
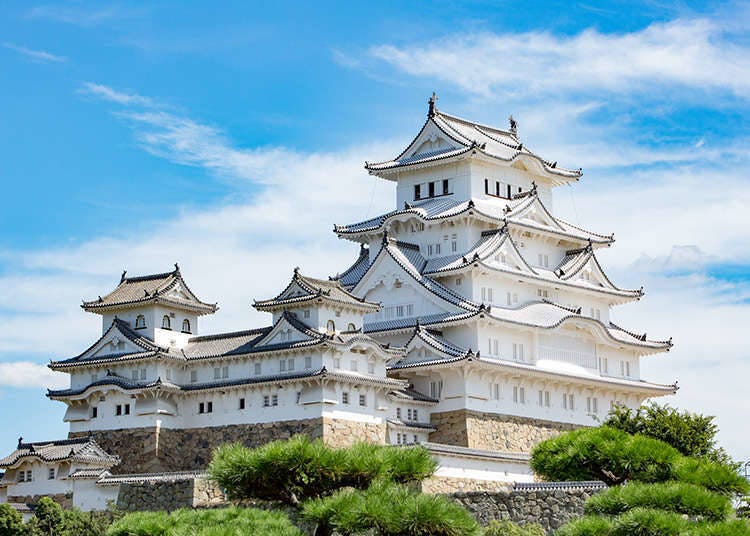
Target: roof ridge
column 148, row 277
column 228, row 334
column 476, row 124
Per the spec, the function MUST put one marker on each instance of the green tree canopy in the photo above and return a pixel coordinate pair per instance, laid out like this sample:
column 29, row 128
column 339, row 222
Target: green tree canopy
column 11, row 522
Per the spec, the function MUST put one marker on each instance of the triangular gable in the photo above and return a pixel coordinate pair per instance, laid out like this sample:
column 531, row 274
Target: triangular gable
column 117, row 340
column 285, row 331
column 294, row 290
column 431, row 138
column 535, row 213
column 507, row 257
column 591, row 272
column 388, row 272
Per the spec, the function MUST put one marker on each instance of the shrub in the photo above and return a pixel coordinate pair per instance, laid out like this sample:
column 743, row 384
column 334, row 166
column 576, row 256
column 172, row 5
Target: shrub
column 603, row 454
column 586, row 526
column 11, row 522
column 218, row 522
column 389, row 510
column 508, row 528
column 716, row 476
column 300, row 468
column 676, row 497
column 648, row 522
column 48, row 518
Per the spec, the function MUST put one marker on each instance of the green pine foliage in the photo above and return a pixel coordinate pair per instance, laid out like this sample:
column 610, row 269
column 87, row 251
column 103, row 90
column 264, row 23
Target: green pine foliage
column 11, row 522
column 387, row 509
column 299, row 469
column 508, row 528
column 678, row 497
column 218, row 522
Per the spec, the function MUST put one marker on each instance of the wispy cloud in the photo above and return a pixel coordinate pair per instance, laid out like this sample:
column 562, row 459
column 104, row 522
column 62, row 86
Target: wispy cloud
column 80, row 15
column 27, row 374
column 120, row 97
column 36, row 55
column 694, row 54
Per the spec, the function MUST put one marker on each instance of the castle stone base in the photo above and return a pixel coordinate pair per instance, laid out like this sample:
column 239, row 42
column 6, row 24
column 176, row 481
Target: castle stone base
column 151, row 450
column 63, row 499
column 466, row 428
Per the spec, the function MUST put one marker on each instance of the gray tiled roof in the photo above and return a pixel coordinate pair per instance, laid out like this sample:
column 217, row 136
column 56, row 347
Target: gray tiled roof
column 113, row 380
column 302, row 289
column 474, row 137
column 412, row 424
column 412, row 394
column 255, row 379
column 435, row 340
column 141, row 290
column 83, row 449
column 351, row 276
column 440, row 448
column 426, row 320
column 86, row 474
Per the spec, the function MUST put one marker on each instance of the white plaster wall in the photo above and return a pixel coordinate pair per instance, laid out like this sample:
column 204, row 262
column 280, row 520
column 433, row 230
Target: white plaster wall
column 88, row 496
column 482, row 469
column 458, row 171
column 40, row 484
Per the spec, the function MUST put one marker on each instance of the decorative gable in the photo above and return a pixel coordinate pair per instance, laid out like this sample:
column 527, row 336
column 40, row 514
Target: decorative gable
column 429, row 140
column 285, row 331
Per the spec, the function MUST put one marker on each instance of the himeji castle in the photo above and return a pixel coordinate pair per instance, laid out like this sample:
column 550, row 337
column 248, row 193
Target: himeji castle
column 473, row 321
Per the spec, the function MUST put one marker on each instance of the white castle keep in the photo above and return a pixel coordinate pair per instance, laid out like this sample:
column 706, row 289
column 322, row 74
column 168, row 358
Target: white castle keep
column 472, row 321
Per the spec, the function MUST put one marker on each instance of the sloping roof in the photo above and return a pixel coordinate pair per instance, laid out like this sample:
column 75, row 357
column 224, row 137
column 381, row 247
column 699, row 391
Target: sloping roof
column 113, row 380
column 469, row 137
column 413, row 395
column 83, row 449
column 118, row 328
column 435, row 340
column 168, row 288
column 351, row 276
column 302, row 289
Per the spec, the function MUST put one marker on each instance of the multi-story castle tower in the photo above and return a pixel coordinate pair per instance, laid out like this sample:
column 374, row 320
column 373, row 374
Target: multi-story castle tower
column 503, row 309
column 473, row 321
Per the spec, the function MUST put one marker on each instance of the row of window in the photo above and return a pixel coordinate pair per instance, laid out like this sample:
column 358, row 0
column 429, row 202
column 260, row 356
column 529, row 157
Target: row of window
column 544, row 398
column 500, row 189
column 412, row 414
column 403, row 439
column 493, row 348
column 427, row 190
column 624, row 367
column 28, row 475
column 345, row 399
column 166, row 323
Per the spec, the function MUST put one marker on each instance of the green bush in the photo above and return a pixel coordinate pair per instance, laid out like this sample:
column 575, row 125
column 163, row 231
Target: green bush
column 300, row 468
column 716, row 476
column 11, row 522
column 218, row 522
column 603, row 453
column 508, row 528
column 676, row 497
column 389, row 509
column 587, row 526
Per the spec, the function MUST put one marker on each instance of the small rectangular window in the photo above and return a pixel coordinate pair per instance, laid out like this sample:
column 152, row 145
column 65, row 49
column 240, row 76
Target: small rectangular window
column 414, row 415
column 354, row 365
column 371, row 368
column 431, row 191
column 417, row 192
column 298, row 398
column 306, row 313
column 362, row 400
column 127, row 409
column 274, row 400
column 217, row 373
column 344, row 398
column 210, row 407
column 308, row 362
column 94, row 412
column 51, row 473
column 242, row 403
column 256, row 368
column 201, row 408
column 118, row 409
column 21, row 476
column 282, row 365
column 445, row 187
column 143, row 373
column 497, row 188
column 398, row 413
column 134, row 375
column 437, row 249
column 487, row 186
column 225, row 372
column 193, row 376
column 266, row 401
column 290, row 364
column 336, row 362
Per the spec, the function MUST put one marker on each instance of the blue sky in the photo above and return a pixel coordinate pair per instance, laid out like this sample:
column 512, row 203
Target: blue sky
column 231, row 138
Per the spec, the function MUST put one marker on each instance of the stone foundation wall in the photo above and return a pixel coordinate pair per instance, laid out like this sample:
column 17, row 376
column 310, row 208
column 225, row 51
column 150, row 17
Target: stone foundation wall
column 549, row 508
column 151, row 450
column 169, row 495
column 490, row 431
column 63, row 499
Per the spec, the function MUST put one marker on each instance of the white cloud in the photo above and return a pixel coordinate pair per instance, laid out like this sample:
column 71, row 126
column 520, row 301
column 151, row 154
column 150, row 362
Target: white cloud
column 27, row 374
column 80, row 15
column 120, row 97
column 36, row 55
column 688, row 53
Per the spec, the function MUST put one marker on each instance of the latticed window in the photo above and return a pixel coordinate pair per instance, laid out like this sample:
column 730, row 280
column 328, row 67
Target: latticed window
column 331, row 326
column 186, row 326
column 166, row 323
column 140, row 322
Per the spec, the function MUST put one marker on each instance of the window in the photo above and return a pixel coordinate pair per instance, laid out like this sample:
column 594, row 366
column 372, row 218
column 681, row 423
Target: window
column 306, row 313
column 298, row 397
column 519, row 394
column 437, row 249
column 371, row 367
column 542, row 293
column 354, row 365
column 217, row 373
column 596, row 313
column 242, row 403
column 436, row 388
column 487, row 186
column 290, row 364
column 446, row 188
column 308, row 362
column 431, row 189
column 603, row 365
column 282, row 365
column 417, row 192
column 458, row 281
column 186, row 326
column 134, row 375
column 487, row 295
column 94, row 412
column 209, row 407
column 345, row 398
column 362, row 400
column 625, row 368
column 21, row 476
column 166, row 323
column 454, row 243
column 592, row 405
column 330, row 326
column 336, row 362
column 518, row 352
column 544, row 260
column 140, row 322
column 256, row 368
column 398, row 413
column 126, row 409
column 51, row 473
column 93, row 378
column 416, row 439
column 143, row 373
column 266, row 401
column 201, row 407
column 569, row 401
column 193, row 376
column 495, row 391
column 274, row 400
column 544, row 398
column 351, row 327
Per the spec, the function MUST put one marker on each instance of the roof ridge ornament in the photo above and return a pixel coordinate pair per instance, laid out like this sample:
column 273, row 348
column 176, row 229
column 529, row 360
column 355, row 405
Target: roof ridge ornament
column 122, row 277
column 176, row 268
column 431, row 102
column 513, row 125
